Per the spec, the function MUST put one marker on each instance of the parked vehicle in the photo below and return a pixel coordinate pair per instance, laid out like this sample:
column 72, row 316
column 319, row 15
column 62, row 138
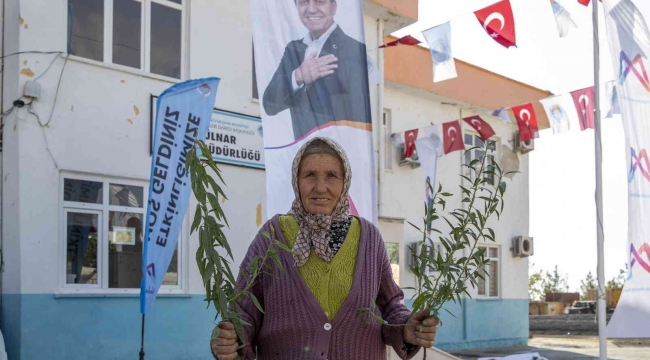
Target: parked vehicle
column 581, row 307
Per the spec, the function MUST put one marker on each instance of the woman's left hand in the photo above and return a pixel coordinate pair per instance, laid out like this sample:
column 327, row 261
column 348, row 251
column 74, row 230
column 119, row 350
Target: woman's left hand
column 421, row 329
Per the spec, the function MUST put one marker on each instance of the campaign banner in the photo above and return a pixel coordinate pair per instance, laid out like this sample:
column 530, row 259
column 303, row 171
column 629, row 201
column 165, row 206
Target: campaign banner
column 183, row 114
column 629, row 42
column 312, row 75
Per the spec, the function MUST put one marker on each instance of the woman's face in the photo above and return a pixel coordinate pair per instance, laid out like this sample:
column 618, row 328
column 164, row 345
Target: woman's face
column 320, row 181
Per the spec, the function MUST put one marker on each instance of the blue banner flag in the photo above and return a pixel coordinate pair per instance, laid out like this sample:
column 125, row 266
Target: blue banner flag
column 183, row 113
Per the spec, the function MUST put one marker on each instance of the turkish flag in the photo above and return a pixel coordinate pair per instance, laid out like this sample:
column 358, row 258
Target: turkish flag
column 452, row 138
column 484, row 129
column 499, row 22
column 584, row 101
column 526, row 121
column 409, row 142
column 406, row 40
column 586, row 2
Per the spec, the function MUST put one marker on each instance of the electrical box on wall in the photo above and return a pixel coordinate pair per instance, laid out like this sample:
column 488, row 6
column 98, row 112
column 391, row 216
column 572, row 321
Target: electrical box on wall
column 523, row 146
column 412, row 160
column 522, row 246
column 32, row 89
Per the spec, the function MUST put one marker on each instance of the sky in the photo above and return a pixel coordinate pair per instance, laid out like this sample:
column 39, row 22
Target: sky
column 562, row 167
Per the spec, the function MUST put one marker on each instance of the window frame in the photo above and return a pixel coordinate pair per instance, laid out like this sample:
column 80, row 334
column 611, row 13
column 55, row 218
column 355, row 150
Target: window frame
column 496, row 153
column 145, row 38
column 103, row 210
column 487, row 295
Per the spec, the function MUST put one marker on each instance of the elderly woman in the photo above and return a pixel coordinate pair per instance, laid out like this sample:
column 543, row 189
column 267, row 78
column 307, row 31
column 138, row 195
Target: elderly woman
column 338, row 265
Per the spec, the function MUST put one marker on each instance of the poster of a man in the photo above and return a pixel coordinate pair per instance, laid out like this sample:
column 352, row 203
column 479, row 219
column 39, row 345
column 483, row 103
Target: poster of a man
column 311, row 68
column 323, row 77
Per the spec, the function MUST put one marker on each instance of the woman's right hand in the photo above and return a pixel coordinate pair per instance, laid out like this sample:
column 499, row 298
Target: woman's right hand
column 224, row 346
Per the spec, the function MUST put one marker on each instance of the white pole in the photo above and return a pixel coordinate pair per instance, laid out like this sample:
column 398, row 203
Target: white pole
column 380, row 112
column 602, row 313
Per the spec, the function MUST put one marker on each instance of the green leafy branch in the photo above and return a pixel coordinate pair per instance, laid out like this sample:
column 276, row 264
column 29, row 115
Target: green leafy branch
column 221, row 288
column 468, row 227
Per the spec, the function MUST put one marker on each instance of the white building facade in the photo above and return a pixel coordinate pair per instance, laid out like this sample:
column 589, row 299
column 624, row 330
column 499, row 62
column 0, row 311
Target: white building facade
column 76, row 163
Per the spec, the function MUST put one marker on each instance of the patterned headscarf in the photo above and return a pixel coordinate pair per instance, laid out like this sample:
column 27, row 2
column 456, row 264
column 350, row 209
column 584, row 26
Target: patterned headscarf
column 315, row 228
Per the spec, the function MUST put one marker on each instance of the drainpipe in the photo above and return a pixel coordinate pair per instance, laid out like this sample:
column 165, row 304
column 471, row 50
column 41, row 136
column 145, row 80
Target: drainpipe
column 380, row 114
column 2, row 166
column 464, row 299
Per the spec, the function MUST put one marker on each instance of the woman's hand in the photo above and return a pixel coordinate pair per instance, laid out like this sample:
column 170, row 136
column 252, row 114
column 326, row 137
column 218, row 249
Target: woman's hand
column 224, row 346
column 421, row 329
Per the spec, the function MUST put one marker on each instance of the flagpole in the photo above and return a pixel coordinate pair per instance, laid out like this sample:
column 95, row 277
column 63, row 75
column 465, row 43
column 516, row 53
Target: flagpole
column 601, row 310
column 142, row 340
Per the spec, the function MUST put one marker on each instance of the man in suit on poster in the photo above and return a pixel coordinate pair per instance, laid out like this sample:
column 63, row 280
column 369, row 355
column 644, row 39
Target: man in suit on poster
column 322, row 77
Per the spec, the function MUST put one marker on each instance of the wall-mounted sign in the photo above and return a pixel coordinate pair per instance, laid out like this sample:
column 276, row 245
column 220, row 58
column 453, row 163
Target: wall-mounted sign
column 232, row 138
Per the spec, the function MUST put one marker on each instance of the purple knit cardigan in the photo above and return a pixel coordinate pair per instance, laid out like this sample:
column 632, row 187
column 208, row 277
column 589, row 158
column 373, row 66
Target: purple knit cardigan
column 294, row 326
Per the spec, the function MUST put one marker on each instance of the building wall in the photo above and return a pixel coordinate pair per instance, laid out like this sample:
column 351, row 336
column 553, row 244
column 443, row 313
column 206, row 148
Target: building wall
column 101, row 126
column 478, row 322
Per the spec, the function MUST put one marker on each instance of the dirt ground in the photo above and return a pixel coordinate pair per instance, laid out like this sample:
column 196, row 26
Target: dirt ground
column 568, row 348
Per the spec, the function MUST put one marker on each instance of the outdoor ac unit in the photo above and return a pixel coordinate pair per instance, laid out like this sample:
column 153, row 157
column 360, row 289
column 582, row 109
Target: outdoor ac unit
column 523, row 146
column 522, row 246
column 415, row 249
column 413, row 160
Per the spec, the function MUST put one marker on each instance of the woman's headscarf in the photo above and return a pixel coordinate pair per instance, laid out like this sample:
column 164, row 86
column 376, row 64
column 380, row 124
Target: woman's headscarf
column 315, row 228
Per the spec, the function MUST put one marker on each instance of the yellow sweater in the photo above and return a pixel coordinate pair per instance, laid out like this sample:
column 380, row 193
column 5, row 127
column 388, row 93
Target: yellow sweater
column 330, row 283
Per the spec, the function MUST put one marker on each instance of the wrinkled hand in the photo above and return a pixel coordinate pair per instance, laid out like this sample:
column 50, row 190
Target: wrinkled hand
column 421, row 329
column 224, row 346
column 314, row 68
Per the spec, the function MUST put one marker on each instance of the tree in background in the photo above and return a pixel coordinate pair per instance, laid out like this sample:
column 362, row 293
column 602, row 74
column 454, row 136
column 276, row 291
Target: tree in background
column 587, row 284
column 535, row 284
column 555, row 283
column 619, row 281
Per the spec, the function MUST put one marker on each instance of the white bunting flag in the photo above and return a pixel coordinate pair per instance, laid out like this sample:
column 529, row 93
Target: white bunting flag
column 563, row 19
column 439, row 40
column 561, row 113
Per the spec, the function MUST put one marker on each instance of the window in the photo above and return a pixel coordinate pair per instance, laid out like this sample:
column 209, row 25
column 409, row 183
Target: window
column 256, row 94
column 140, row 34
column 472, row 140
column 489, row 287
column 388, row 142
column 104, row 233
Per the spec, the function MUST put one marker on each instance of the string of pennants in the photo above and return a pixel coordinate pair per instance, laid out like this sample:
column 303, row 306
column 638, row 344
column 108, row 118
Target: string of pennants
column 566, row 112
column 497, row 20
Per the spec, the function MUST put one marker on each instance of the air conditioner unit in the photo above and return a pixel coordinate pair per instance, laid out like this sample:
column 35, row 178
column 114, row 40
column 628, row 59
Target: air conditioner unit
column 413, row 160
column 522, row 246
column 523, row 146
column 415, row 250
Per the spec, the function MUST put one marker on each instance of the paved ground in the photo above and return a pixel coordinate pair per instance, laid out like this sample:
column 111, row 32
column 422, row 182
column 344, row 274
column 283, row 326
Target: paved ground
column 568, row 348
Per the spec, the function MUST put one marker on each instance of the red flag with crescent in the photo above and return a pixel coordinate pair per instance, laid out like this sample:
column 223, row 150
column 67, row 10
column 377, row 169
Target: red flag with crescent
column 406, row 40
column 499, row 22
column 586, row 2
column 481, row 126
column 584, row 101
column 452, row 137
column 526, row 121
column 409, row 142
